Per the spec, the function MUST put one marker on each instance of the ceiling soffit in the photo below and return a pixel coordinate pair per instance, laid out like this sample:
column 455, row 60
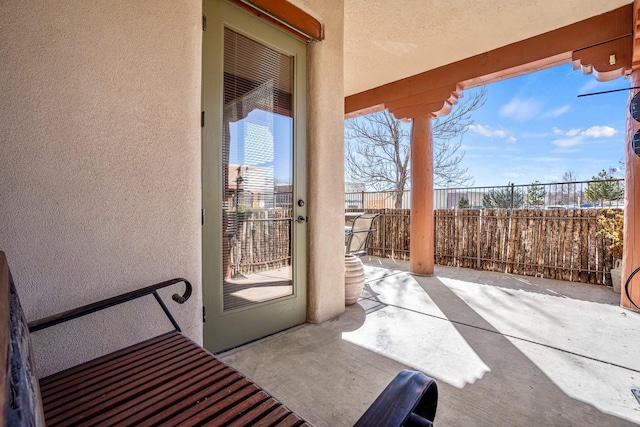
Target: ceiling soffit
column 388, row 40
column 601, row 45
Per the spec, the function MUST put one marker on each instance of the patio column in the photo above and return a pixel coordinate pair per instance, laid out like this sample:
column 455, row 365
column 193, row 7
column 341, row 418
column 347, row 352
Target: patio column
column 631, row 253
column 421, row 229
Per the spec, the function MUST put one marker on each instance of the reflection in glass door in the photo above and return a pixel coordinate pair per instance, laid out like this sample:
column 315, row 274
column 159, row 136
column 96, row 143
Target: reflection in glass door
column 253, row 170
column 257, row 172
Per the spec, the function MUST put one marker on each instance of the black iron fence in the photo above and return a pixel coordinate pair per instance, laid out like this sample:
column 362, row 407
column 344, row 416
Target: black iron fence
column 557, row 195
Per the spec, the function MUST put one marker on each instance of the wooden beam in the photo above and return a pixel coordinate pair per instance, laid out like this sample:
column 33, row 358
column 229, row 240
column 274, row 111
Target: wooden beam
column 556, row 44
column 282, row 13
column 532, row 67
column 635, row 59
column 449, row 93
column 365, row 111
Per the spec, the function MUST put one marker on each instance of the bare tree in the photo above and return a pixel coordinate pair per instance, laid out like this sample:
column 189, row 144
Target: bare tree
column 566, row 191
column 570, row 193
column 617, row 172
column 377, row 153
column 378, row 149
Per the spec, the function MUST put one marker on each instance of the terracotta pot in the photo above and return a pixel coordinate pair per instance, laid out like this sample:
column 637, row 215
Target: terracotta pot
column 353, row 279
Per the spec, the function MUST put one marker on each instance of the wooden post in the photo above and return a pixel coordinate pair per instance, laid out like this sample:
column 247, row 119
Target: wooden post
column 631, row 253
column 422, row 223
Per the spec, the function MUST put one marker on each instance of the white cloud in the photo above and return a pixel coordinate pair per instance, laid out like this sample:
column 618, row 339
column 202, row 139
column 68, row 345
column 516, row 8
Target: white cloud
column 521, row 109
column 576, row 137
column 557, row 131
column 599, row 132
column 491, row 133
column 568, row 142
column 487, row 131
column 557, row 112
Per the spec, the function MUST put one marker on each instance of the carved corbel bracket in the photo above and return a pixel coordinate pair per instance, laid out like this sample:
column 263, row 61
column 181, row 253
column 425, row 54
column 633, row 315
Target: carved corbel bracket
column 437, row 102
column 605, row 61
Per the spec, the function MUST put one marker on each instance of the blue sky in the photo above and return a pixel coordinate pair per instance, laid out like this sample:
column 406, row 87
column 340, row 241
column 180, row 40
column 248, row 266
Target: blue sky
column 534, row 127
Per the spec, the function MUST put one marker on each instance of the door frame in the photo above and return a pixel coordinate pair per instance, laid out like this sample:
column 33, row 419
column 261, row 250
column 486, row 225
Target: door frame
column 223, row 330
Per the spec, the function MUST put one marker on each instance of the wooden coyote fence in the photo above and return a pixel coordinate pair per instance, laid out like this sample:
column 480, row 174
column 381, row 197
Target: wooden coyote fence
column 561, row 244
column 391, row 236
column 259, row 240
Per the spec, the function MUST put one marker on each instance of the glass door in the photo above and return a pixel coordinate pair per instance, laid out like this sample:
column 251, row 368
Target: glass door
column 254, row 247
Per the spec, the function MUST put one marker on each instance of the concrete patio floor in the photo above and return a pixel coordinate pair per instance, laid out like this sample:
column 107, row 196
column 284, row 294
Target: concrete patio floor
column 505, row 350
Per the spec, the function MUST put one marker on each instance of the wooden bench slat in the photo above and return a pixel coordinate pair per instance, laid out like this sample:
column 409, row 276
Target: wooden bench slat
column 125, row 363
column 103, row 376
column 72, row 373
column 235, row 406
column 292, row 420
column 219, row 399
column 273, row 418
column 251, row 417
column 54, row 382
column 114, row 402
column 140, row 386
column 122, row 380
column 163, row 410
column 118, row 393
column 212, row 391
column 168, row 393
column 160, row 371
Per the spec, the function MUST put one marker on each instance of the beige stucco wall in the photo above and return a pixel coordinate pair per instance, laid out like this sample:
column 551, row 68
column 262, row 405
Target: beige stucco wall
column 100, row 163
column 326, row 163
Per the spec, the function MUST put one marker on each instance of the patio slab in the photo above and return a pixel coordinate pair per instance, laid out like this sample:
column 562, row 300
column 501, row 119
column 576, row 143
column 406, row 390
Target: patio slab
column 504, row 350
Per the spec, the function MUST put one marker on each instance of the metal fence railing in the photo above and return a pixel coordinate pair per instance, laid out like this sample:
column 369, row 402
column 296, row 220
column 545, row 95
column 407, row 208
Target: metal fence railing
column 558, row 195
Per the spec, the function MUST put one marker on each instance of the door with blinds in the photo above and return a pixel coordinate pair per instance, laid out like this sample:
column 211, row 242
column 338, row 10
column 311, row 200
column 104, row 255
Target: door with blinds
column 254, row 164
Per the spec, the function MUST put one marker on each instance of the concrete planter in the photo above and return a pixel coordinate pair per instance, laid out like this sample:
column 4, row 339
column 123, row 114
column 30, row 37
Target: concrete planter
column 353, row 279
column 616, row 276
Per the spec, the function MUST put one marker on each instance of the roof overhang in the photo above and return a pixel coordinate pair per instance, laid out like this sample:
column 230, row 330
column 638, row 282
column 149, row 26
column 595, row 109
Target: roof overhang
column 495, row 41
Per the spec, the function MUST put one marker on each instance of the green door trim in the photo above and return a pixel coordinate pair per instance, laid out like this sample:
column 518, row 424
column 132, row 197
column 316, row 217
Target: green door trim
column 228, row 329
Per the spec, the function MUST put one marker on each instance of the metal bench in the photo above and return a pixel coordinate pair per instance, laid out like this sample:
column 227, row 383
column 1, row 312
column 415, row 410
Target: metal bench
column 167, row 380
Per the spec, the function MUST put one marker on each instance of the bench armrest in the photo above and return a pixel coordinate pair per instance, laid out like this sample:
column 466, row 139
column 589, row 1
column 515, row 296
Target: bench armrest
column 110, row 302
column 410, row 399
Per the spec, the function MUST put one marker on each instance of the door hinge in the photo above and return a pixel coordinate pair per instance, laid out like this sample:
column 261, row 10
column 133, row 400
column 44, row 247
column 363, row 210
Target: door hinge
column 203, row 216
column 204, row 22
column 202, row 119
column 204, row 314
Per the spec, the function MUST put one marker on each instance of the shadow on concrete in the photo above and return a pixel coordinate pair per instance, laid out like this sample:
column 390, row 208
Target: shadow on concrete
column 515, row 392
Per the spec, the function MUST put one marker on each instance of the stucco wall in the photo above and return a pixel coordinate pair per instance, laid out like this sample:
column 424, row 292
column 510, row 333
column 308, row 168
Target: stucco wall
column 326, row 163
column 100, row 164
